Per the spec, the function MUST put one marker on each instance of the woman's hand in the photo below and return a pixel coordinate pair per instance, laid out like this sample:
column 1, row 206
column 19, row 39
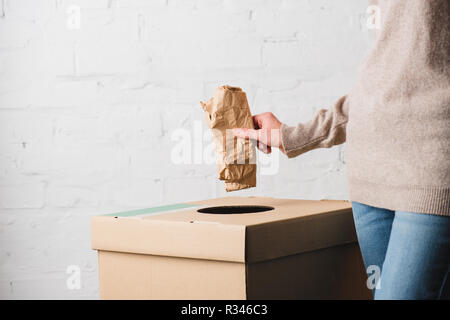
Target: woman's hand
column 267, row 132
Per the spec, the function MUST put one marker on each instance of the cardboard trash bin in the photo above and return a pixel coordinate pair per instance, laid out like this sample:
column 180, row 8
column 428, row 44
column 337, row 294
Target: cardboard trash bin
column 284, row 249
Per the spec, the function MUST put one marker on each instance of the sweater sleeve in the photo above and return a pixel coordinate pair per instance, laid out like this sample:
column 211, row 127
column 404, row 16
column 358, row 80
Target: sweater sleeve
column 326, row 129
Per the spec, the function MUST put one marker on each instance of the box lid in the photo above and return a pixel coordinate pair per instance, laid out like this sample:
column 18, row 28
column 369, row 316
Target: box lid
column 293, row 226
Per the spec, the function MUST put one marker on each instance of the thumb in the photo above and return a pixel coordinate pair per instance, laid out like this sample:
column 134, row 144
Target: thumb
column 245, row 133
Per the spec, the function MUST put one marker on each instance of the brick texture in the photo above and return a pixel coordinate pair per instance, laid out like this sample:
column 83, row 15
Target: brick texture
column 88, row 112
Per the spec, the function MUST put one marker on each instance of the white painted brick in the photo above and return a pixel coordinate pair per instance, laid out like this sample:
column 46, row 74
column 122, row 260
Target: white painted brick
column 84, row 4
column 161, row 94
column 24, row 126
column 148, row 125
column 137, row 4
column 25, row 30
column 226, row 53
column 99, row 54
column 77, row 131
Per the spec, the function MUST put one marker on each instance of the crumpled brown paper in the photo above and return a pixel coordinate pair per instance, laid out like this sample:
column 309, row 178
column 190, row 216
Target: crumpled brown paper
column 236, row 158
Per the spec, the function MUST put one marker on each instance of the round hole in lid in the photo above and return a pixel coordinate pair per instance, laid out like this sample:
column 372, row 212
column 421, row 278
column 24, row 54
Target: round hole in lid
column 235, row 209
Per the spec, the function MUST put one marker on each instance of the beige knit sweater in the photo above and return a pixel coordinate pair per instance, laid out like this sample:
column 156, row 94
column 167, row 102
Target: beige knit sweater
column 396, row 120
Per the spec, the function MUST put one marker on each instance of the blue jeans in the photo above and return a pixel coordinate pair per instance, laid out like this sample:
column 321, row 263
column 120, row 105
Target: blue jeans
column 411, row 252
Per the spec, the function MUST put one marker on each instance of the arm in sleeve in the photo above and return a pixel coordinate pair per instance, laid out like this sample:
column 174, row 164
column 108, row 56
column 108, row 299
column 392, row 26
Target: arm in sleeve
column 326, row 129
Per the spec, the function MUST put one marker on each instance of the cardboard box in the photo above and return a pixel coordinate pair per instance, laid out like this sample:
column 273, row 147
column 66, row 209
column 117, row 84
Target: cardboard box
column 299, row 249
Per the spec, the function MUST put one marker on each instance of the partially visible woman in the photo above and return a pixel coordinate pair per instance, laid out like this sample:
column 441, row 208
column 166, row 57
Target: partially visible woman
column 396, row 122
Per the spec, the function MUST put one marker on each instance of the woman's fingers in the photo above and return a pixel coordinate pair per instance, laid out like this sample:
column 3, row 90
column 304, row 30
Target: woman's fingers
column 246, row 133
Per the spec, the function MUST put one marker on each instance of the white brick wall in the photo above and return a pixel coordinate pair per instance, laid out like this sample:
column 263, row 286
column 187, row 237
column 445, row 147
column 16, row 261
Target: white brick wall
column 86, row 115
